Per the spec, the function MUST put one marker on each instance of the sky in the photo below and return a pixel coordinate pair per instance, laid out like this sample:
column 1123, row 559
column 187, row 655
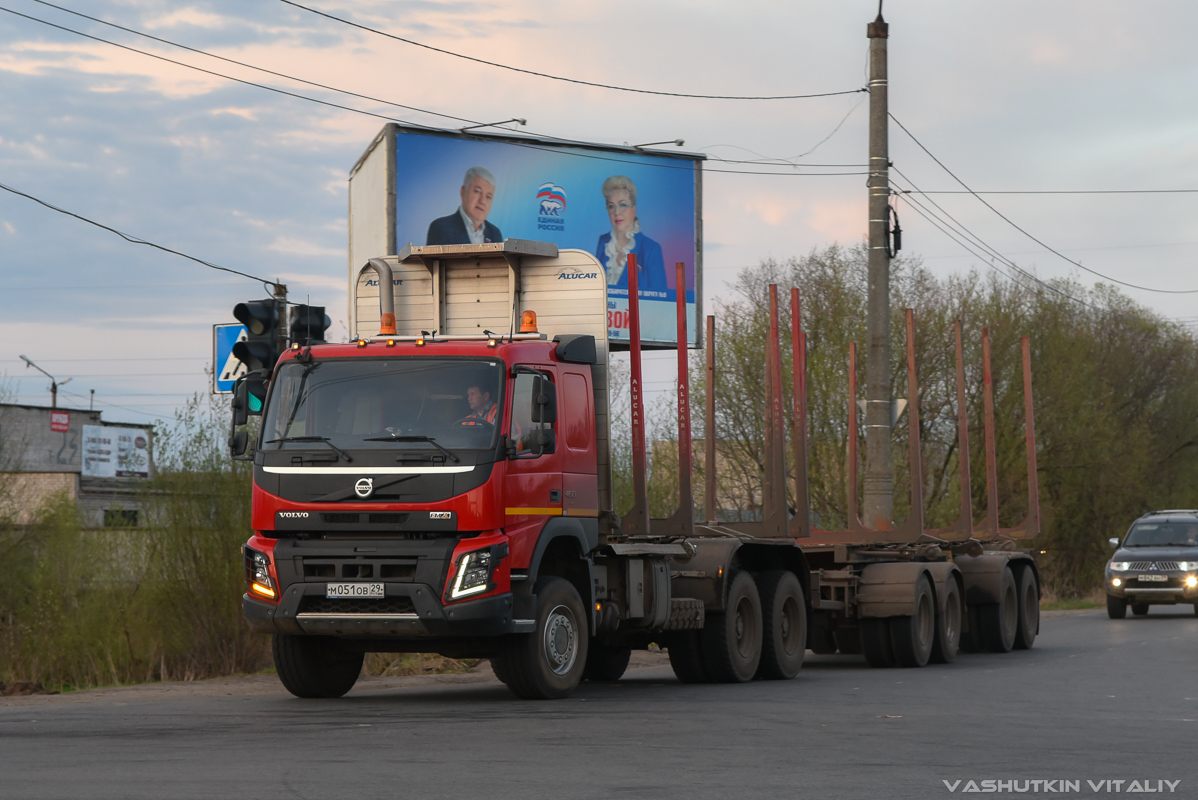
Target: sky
column 1010, row 95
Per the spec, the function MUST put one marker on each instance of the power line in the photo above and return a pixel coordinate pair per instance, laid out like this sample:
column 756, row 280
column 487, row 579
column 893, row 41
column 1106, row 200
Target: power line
column 1030, row 236
column 1056, row 191
column 330, row 104
column 415, row 43
column 132, row 239
column 251, row 66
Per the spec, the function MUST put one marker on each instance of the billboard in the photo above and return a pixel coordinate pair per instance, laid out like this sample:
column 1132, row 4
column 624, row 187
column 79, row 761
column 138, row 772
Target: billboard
column 453, row 188
column 114, row 452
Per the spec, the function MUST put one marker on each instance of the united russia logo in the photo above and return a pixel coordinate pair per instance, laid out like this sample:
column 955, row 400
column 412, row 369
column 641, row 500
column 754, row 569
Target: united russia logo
column 551, row 207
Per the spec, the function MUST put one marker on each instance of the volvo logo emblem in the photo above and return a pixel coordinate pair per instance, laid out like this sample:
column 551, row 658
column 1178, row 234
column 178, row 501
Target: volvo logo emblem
column 364, row 487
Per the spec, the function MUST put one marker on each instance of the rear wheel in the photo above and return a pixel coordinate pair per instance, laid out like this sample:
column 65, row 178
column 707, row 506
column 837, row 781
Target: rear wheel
column 1116, row 607
column 875, row 642
column 1000, row 620
column 1029, row 608
column 314, row 666
column 912, row 636
column 686, row 657
column 1139, row 609
column 784, row 617
column 948, row 625
column 606, row 663
column 548, row 663
column 732, row 638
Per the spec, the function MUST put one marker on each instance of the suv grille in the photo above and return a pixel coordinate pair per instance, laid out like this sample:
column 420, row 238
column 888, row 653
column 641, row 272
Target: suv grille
column 1145, row 566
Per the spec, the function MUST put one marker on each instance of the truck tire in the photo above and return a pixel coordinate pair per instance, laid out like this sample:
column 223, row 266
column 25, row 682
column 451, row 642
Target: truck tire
column 605, row 664
column 547, row 664
column 1139, row 609
column 912, row 636
column 875, row 642
column 1000, row 621
column 313, row 666
column 1116, row 607
column 686, row 657
column 732, row 637
column 948, row 625
column 784, row 626
column 1029, row 607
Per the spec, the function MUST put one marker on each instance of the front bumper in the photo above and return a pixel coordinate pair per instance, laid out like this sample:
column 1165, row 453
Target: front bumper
column 1169, row 592
column 409, row 611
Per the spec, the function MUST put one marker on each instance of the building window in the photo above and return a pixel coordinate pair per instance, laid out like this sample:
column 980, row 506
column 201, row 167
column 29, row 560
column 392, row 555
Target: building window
column 119, row 518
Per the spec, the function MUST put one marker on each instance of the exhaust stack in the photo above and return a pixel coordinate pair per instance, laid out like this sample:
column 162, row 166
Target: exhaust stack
column 386, row 298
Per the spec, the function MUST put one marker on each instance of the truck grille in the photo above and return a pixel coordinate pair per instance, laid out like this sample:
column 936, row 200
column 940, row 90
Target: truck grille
column 1147, row 566
column 314, row 604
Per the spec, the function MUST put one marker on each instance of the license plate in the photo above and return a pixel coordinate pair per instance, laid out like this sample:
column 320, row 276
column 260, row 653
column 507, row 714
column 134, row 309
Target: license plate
column 344, row 591
column 1154, row 578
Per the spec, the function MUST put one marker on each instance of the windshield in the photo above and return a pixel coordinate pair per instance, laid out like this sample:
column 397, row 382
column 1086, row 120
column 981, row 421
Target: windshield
column 1163, row 534
column 414, row 405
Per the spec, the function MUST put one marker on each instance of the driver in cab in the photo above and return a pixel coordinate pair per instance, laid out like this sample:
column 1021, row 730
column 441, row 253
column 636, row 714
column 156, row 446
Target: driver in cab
column 482, row 408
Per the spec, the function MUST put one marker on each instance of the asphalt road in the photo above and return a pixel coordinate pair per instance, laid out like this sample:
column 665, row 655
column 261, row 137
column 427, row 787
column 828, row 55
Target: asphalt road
column 1095, row 700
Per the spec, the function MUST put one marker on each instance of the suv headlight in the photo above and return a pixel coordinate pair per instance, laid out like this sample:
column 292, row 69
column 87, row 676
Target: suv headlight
column 1186, row 566
column 474, row 574
column 1120, row 566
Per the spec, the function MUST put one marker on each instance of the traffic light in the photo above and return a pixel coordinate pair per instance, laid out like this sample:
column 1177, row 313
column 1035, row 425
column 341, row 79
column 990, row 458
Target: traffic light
column 261, row 321
column 308, row 324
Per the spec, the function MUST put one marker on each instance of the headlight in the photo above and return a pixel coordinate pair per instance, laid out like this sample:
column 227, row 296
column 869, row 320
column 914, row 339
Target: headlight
column 1185, row 566
column 1191, row 581
column 257, row 574
column 474, row 574
column 1120, row 566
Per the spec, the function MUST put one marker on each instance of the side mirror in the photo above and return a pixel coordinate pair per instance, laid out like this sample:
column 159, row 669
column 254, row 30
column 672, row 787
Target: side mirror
column 238, row 442
column 544, row 401
column 1114, row 543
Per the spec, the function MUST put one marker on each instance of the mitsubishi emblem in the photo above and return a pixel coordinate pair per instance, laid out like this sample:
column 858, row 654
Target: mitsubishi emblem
column 364, row 487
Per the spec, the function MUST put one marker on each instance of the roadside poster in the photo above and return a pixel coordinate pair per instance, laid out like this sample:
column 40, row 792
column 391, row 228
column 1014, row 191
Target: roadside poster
column 110, row 451
column 458, row 189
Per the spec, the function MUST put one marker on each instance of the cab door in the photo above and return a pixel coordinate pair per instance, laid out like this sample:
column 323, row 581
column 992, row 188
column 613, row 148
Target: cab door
column 533, row 479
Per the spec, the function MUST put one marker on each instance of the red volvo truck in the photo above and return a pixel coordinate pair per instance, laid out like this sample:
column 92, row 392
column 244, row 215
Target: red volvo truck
column 444, row 485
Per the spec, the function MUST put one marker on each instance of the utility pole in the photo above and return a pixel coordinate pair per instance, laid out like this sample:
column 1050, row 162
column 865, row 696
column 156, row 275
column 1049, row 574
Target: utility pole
column 280, row 293
column 878, row 500
column 54, row 382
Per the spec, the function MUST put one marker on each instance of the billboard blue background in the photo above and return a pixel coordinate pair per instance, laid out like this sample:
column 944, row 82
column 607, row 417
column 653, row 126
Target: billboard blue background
column 429, row 172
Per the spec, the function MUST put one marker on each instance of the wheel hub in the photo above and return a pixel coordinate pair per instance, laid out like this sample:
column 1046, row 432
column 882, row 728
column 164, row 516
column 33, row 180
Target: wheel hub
column 561, row 640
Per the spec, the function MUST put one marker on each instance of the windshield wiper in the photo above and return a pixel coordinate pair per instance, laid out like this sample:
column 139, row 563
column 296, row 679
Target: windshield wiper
column 395, row 437
column 323, row 439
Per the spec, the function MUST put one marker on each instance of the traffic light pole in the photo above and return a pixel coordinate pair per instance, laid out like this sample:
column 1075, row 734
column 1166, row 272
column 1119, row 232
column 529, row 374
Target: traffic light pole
column 878, row 495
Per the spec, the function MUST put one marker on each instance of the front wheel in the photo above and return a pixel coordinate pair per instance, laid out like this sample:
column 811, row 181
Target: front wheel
column 314, row 666
column 1116, row 607
column 548, row 663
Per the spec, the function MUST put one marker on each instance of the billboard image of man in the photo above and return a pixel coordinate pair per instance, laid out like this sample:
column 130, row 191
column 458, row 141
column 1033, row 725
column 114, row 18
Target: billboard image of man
column 469, row 224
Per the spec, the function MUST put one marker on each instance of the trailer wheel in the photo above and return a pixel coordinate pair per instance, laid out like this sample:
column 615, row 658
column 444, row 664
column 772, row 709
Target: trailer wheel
column 912, row 636
column 875, row 642
column 605, row 663
column 1029, row 608
column 732, row 637
column 686, row 657
column 548, row 663
column 1139, row 609
column 1000, row 620
column 948, row 625
column 314, row 666
column 784, row 619
column 1116, row 607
